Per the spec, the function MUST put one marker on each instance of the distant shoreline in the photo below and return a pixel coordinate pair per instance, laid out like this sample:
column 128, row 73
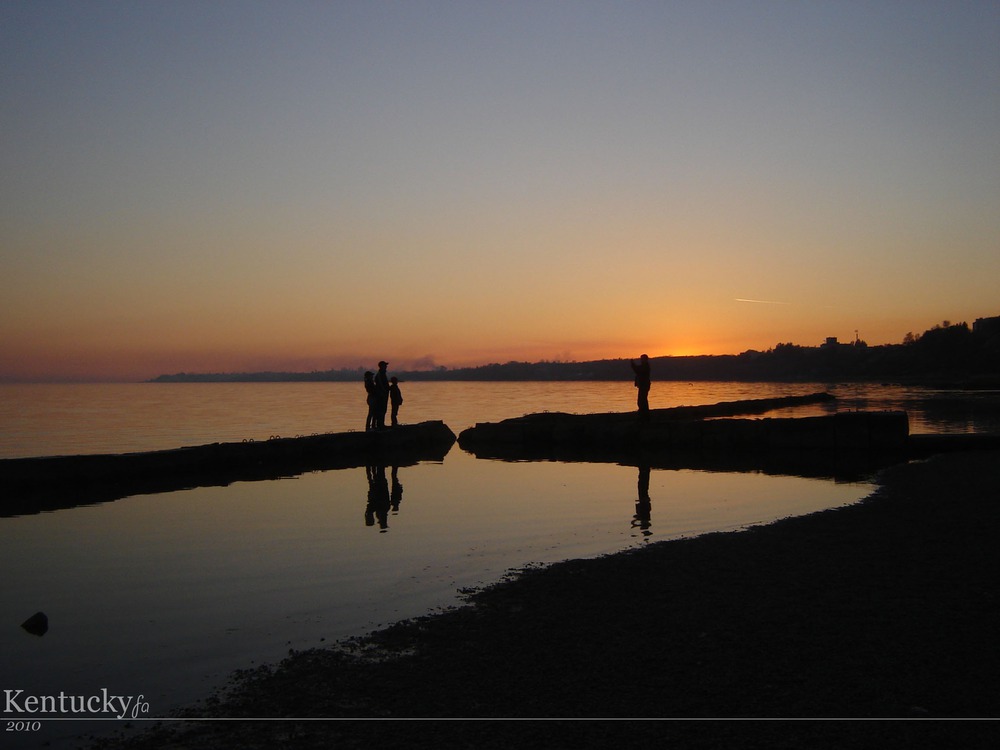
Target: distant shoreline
column 953, row 355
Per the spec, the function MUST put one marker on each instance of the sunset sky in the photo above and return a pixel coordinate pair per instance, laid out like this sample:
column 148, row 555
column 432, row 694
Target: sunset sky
column 238, row 185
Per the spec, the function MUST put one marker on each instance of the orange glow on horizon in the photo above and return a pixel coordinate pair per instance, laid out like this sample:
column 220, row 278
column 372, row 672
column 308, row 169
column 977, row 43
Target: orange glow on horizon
column 288, row 344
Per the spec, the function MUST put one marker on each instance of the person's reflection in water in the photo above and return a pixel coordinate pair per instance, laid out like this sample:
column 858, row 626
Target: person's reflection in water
column 643, row 506
column 378, row 498
column 396, row 495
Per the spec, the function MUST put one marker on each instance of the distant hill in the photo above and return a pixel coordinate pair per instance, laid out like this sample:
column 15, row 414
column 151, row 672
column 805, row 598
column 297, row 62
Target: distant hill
column 945, row 354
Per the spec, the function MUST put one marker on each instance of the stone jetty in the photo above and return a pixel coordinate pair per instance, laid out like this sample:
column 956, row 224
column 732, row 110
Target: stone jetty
column 30, row 485
column 671, row 435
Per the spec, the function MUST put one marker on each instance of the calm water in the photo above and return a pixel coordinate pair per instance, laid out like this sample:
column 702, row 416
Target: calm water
column 164, row 595
column 98, row 418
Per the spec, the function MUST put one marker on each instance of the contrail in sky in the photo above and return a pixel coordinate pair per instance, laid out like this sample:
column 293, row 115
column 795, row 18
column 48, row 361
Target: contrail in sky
column 762, row 301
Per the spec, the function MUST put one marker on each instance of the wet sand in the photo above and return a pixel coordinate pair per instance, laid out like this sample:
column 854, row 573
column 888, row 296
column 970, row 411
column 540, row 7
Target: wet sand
column 872, row 625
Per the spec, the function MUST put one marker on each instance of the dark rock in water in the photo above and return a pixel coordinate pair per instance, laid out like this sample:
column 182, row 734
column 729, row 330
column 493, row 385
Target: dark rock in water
column 37, row 624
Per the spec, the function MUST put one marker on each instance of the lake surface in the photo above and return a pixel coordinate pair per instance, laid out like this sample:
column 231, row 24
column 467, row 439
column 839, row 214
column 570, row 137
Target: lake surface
column 165, row 595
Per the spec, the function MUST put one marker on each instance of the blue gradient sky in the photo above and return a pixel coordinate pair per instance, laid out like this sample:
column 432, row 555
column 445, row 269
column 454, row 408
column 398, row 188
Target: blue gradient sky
column 222, row 186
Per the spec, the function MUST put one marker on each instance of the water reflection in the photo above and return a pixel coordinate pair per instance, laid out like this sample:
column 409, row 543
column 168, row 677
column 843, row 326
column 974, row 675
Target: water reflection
column 396, row 495
column 961, row 413
column 380, row 498
column 642, row 519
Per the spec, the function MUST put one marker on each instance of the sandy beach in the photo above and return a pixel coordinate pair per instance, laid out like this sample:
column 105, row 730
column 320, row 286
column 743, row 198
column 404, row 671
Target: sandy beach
column 871, row 625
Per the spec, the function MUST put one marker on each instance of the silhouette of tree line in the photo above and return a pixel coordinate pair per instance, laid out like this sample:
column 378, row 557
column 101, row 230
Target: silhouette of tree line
column 945, row 354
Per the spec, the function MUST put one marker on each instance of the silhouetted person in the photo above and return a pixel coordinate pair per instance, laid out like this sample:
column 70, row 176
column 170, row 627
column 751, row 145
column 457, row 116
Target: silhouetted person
column 395, row 398
column 381, row 395
column 370, row 390
column 643, row 506
column 642, row 382
column 396, row 494
column 378, row 498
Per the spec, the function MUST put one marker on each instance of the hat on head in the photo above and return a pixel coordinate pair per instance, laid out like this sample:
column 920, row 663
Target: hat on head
column 383, row 364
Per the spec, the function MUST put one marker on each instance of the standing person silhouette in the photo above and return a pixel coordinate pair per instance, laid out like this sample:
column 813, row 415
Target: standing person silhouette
column 642, row 382
column 381, row 395
column 370, row 390
column 395, row 398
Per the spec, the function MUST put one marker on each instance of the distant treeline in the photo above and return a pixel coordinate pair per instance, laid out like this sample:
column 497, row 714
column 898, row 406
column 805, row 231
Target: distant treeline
column 945, row 354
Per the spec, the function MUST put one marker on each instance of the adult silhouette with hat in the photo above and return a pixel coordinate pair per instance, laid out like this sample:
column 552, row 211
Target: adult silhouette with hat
column 381, row 395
